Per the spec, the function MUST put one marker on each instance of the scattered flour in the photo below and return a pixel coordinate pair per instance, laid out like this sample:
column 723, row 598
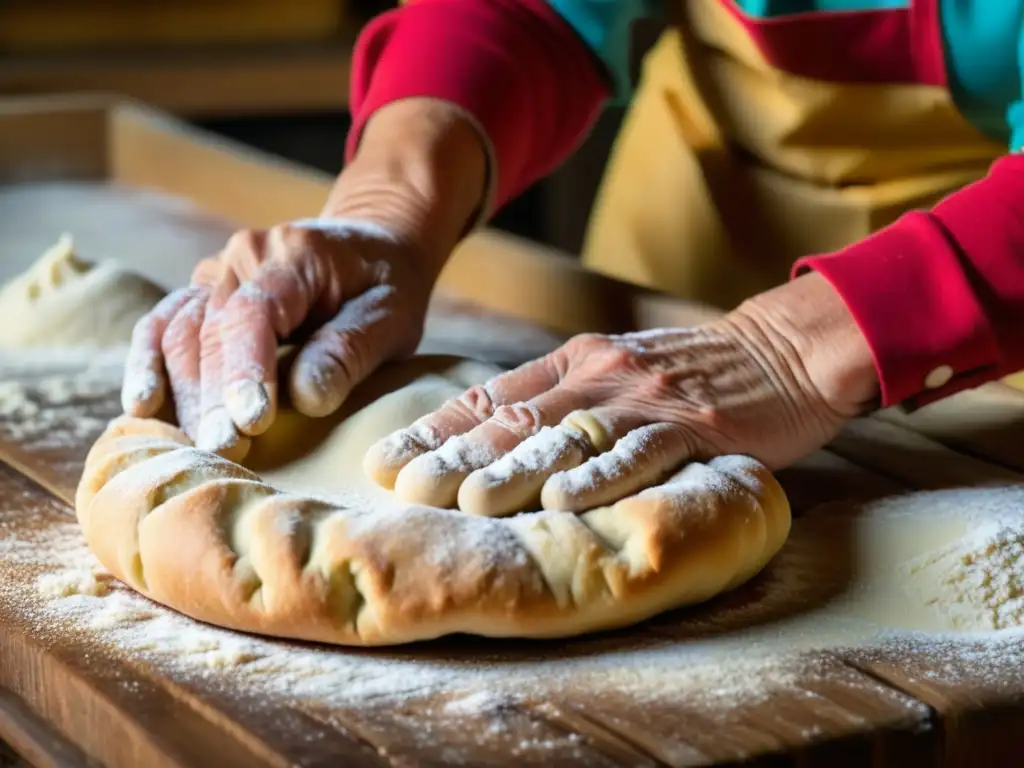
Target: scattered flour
column 57, row 400
column 738, row 651
column 66, row 597
column 74, row 582
column 977, row 582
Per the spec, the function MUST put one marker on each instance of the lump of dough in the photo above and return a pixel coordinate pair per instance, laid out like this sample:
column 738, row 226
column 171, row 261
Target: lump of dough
column 64, row 301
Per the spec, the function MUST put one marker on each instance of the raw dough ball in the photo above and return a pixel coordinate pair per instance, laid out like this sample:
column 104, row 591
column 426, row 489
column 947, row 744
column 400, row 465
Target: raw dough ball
column 64, row 301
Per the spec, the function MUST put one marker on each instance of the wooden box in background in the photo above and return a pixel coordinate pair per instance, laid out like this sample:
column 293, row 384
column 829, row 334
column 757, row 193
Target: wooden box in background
column 46, row 26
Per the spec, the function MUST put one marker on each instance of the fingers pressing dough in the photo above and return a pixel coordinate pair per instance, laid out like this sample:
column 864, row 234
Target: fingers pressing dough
column 640, row 458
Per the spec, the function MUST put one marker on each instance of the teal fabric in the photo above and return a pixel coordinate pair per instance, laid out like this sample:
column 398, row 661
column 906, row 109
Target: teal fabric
column 605, row 25
column 768, row 8
column 983, row 45
column 983, row 42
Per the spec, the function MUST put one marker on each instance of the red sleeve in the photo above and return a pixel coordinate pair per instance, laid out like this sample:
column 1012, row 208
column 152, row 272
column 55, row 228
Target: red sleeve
column 939, row 295
column 514, row 65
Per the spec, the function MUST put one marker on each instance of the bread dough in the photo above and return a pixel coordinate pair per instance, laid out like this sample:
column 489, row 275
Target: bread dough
column 65, row 301
column 338, row 560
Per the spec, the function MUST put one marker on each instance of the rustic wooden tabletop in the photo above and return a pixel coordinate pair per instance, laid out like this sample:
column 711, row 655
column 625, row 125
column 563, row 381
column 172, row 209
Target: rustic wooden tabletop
column 74, row 686
column 90, row 673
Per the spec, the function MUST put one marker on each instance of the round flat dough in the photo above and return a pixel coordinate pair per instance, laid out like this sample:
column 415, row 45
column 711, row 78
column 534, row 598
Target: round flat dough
column 63, row 301
column 301, row 545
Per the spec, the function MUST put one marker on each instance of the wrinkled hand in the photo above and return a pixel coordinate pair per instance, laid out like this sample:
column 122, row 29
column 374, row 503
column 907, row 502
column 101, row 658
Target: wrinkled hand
column 605, row 416
column 349, row 290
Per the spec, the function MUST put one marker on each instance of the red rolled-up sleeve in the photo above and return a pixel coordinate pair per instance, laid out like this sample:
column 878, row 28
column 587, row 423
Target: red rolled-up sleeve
column 939, row 294
column 528, row 81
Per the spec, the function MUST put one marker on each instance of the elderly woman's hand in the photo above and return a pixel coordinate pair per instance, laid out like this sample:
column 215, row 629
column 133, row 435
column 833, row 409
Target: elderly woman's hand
column 350, row 288
column 351, row 291
column 604, row 416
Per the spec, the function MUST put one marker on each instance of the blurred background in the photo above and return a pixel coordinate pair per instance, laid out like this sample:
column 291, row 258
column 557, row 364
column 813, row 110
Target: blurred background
column 270, row 73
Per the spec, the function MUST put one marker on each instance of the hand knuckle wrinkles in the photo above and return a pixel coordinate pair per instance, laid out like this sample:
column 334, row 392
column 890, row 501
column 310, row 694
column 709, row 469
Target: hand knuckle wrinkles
column 583, row 343
column 242, row 239
column 522, row 418
column 348, row 349
column 477, row 400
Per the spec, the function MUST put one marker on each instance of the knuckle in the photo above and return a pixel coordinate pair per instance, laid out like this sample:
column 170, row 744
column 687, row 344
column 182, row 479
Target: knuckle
column 520, row 418
column 661, row 383
column 208, row 271
column 243, row 240
column 292, row 243
column 585, row 343
column 477, row 401
column 615, row 360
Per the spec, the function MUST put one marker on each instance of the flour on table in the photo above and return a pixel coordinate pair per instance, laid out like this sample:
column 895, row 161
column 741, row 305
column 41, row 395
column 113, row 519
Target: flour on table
column 976, row 582
column 82, row 581
column 51, row 399
column 738, row 650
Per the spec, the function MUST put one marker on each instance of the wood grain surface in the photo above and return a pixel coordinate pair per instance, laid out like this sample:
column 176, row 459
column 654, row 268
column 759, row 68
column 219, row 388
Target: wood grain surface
column 122, row 712
column 907, row 710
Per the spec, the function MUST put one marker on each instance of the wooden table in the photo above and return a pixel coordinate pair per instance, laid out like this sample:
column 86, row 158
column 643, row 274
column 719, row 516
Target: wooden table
column 64, row 697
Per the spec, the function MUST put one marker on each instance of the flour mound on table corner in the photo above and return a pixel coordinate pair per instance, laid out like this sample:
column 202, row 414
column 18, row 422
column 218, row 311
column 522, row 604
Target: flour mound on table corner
column 65, row 301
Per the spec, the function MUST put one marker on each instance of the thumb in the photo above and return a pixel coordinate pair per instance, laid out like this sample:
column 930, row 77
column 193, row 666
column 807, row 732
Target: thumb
column 344, row 351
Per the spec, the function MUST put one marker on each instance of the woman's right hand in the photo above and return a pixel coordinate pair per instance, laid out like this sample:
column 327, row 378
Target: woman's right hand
column 352, row 293
column 350, row 288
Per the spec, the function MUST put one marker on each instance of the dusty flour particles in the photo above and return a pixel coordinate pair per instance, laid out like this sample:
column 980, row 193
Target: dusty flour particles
column 936, row 571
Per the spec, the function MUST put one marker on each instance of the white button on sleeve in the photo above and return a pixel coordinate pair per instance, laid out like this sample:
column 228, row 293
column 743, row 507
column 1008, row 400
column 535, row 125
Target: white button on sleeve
column 938, row 377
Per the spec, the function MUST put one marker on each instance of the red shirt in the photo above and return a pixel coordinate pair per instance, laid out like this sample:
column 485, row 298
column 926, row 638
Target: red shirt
column 938, row 292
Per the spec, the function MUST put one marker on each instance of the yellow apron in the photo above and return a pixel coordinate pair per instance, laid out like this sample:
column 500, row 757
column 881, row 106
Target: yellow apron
column 727, row 170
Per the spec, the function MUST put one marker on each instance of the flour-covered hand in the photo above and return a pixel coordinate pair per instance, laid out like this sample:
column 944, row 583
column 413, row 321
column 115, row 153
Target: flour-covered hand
column 605, row 416
column 348, row 291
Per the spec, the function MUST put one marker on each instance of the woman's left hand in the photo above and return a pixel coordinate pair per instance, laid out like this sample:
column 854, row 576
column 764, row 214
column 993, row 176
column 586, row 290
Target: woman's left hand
column 605, row 416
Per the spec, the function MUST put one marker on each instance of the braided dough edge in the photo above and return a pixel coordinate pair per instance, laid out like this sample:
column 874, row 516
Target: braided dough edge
column 208, row 538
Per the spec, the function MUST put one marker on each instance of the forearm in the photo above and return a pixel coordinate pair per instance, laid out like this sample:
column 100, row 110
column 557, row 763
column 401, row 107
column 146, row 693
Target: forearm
column 523, row 76
column 421, row 171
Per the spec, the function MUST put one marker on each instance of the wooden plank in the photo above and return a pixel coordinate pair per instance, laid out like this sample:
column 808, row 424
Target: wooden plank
column 248, row 80
column 976, row 695
column 831, row 708
column 986, row 422
column 63, row 27
column 897, row 452
column 150, row 150
column 37, row 144
column 32, row 738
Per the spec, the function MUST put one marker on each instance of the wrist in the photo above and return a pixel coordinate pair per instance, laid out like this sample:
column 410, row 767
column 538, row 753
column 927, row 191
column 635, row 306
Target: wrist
column 808, row 321
column 420, row 170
